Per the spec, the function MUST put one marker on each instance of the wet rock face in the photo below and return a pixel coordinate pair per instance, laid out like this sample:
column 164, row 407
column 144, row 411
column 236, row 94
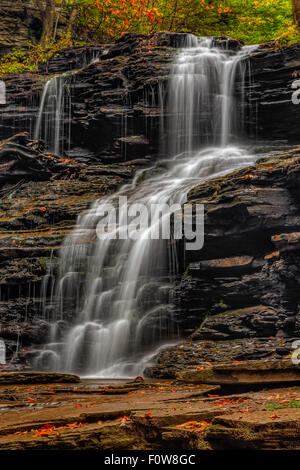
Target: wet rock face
column 201, row 353
column 20, row 112
column 23, row 160
column 243, row 323
column 247, row 275
column 273, row 115
column 238, row 298
column 115, row 100
column 71, row 58
column 119, row 96
column 119, row 100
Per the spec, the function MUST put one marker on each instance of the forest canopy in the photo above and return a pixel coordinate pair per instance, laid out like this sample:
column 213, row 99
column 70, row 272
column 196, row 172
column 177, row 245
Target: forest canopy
column 251, row 21
column 93, row 21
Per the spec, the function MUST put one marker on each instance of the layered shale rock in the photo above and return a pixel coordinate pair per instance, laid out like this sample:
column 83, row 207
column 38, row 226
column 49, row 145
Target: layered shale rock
column 247, row 373
column 239, row 296
column 119, row 96
column 272, row 114
column 71, row 58
column 20, row 112
column 115, row 108
column 23, row 160
column 15, row 378
column 142, row 416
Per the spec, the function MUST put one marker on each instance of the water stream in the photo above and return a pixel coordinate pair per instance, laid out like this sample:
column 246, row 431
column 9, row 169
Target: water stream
column 111, row 308
column 55, row 103
column 53, row 124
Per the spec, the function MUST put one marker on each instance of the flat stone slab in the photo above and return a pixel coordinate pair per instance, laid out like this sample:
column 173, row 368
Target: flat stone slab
column 246, row 373
column 222, row 265
column 287, row 241
column 13, row 378
column 157, row 416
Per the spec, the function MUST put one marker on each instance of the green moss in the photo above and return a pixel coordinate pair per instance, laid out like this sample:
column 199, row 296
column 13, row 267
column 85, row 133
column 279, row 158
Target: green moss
column 217, row 427
column 291, row 404
column 27, row 60
column 222, row 306
column 287, row 36
column 22, row 263
column 187, row 274
column 43, row 263
column 203, row 445
column 239, row 311
column 205, row 374
column 220, row 431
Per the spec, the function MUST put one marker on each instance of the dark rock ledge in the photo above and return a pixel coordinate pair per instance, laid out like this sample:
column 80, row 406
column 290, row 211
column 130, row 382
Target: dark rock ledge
column 14, row 378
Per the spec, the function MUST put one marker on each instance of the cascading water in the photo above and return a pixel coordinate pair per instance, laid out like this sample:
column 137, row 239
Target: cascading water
column 115, row 293
column 203, row 107
column 53, row 124
column 55, row 104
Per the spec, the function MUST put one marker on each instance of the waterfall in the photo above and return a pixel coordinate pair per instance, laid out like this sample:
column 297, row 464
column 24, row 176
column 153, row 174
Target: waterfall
column 203, row 108
column 53, row 123
column 54, row 108
column 112, row 307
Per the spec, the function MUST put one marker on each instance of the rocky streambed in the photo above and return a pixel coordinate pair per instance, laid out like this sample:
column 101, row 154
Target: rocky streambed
column 141, row 415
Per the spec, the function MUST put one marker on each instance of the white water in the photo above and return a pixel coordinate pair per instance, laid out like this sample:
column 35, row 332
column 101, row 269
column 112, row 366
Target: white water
column 117, row 291
column 50, row 124
column 53, row 124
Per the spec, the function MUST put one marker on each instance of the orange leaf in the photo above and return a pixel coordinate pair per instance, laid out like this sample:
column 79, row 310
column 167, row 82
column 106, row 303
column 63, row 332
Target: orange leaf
column 124, row 419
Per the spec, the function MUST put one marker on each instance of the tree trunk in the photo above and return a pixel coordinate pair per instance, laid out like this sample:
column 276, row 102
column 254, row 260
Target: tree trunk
column 296, row 12
column 49, row 21
column 173, row 15
column 72, row 20
column 61, row 9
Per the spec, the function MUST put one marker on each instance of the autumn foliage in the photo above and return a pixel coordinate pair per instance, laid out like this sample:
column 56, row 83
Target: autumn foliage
column 253, row 21
column 111, row 18
column 92, row 21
